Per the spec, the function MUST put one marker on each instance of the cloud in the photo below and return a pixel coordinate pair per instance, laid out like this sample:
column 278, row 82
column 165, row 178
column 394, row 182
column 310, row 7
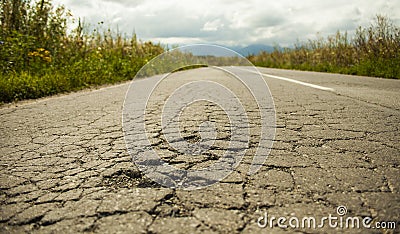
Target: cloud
column 212, row 25
column 129, row 3
column 231, row 22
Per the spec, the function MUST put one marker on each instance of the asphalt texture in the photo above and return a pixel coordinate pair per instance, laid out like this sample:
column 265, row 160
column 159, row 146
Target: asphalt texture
column 65, row 167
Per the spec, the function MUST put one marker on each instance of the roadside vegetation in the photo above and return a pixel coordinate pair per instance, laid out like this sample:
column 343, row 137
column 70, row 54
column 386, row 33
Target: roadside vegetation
column 38, row 57
column 373, row 51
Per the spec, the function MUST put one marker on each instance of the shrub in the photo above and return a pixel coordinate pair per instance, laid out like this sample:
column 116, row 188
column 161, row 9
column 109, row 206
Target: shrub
column 39, row 58
column 374, row 51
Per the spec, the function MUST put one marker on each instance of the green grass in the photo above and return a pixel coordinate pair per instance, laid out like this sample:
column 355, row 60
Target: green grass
column 190, row 67
column 39, row 58
column 374, row 51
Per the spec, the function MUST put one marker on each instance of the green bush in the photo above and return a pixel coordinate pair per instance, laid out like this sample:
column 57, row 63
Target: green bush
column 39, row 58
column 374, row 51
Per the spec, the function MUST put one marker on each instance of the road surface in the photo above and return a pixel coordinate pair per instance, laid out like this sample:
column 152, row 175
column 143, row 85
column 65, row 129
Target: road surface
column 65, row 168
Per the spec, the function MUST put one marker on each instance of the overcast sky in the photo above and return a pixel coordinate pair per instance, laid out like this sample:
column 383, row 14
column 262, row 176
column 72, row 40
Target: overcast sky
column 232, row 23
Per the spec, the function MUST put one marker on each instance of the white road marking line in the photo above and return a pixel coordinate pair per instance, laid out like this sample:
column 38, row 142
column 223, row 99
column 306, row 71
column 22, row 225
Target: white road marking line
column 291, row 80
column 299, row 82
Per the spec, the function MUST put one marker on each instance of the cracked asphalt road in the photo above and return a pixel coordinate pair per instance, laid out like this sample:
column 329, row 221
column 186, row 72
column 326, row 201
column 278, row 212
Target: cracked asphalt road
column 65, row 168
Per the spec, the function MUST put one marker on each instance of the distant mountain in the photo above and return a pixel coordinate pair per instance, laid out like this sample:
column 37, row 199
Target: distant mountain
column 253, row 49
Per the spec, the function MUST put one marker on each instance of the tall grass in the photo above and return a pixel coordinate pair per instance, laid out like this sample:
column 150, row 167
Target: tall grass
column 373, row 51
column 39, row 58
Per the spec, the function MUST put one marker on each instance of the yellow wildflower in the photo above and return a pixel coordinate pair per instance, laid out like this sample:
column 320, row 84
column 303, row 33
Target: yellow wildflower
column 47, row 59
column 42, row 53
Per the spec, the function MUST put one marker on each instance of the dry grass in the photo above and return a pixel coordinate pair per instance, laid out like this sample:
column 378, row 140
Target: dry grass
column 373, row 51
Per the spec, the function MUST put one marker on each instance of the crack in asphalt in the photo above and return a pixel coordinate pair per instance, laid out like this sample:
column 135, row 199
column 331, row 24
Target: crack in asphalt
column 64, row 162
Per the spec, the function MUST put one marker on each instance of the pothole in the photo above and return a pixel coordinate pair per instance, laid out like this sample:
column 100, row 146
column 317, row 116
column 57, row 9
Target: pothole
column 128, row 178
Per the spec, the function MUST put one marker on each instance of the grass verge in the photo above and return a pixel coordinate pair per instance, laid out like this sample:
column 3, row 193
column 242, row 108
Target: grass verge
column 373, row 51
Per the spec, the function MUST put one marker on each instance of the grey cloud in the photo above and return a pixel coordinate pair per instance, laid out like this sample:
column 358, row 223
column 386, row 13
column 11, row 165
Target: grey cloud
column 232, row 22
column 267, row 20
column 166, row 24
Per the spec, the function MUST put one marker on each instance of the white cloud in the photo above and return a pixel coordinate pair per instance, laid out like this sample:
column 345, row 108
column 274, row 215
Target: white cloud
column 212, row 25
column 177, row 40
column 231, row 22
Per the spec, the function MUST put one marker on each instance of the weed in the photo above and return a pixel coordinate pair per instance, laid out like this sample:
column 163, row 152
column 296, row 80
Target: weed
column 374, row 51
column 39, row 58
